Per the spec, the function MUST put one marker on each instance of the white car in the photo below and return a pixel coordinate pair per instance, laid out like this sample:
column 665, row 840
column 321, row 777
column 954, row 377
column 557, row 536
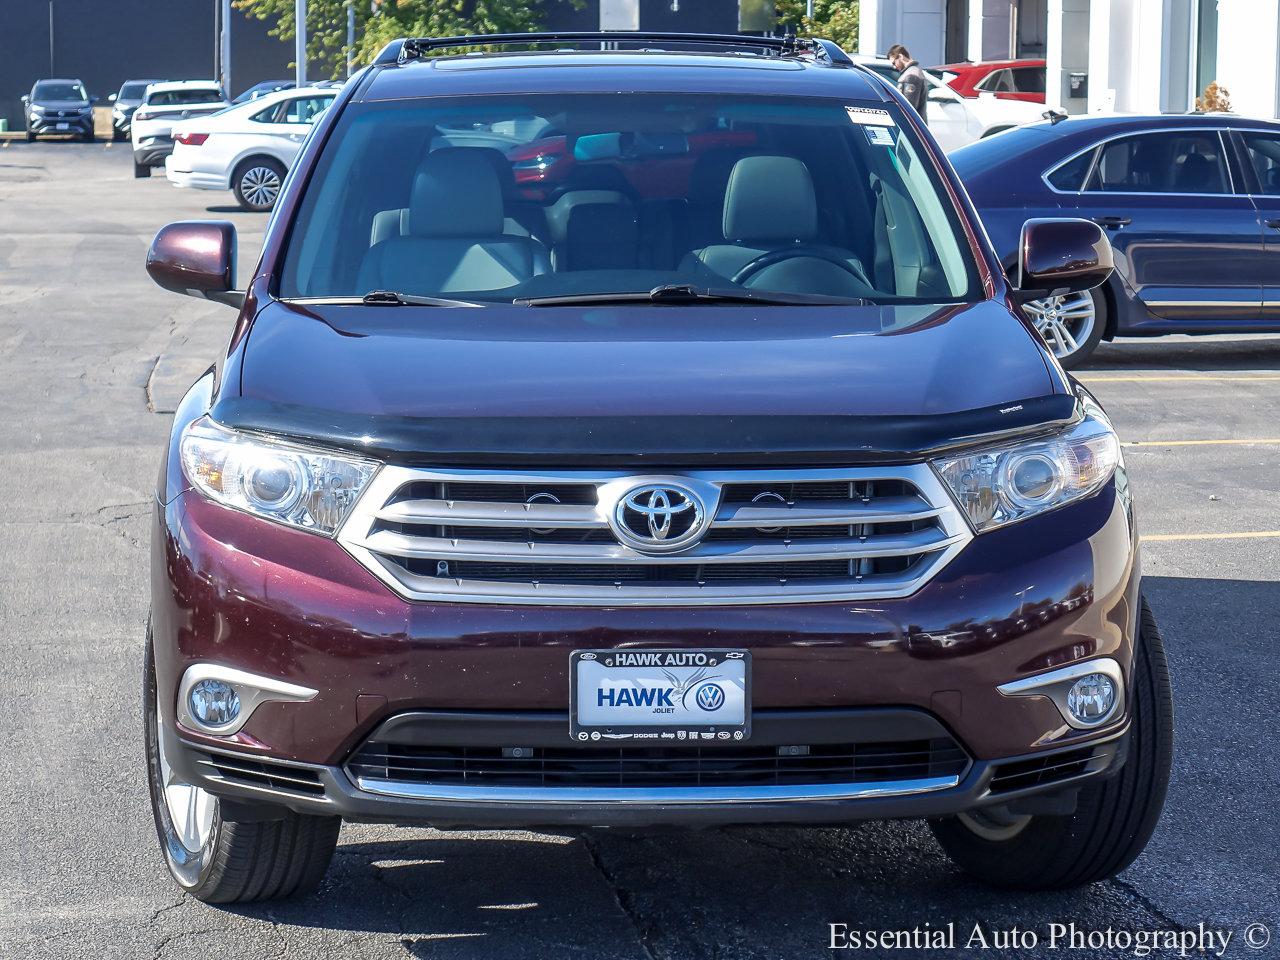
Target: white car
column 248, row 148
column 162, row 106
column 956, row 121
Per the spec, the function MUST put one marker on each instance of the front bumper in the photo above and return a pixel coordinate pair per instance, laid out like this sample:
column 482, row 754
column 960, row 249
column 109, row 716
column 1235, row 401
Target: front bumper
column 47, row 124
column 232, row 590
column 151, row 151
column 257, row 787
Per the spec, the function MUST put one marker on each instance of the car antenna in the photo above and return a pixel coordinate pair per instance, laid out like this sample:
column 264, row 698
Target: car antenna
column 1054, row 116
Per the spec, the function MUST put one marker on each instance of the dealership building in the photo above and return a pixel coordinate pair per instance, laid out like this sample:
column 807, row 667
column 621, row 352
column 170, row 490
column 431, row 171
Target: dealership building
column 1142, row 56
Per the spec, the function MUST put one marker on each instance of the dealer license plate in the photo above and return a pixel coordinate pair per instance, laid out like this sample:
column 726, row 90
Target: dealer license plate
column 660, row 695
column 64, row 126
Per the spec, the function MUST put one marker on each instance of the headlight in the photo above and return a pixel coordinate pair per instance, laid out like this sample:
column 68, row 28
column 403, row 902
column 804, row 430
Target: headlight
column 294, row 485
column 1000, row 485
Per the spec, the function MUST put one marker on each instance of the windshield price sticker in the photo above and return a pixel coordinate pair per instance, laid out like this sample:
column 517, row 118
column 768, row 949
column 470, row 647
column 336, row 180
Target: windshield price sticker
column 870, row 117
column 662, row 695
column 879, row 136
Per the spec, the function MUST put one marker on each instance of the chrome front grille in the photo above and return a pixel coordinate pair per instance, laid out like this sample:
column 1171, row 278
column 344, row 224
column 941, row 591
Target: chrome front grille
column 554, row 537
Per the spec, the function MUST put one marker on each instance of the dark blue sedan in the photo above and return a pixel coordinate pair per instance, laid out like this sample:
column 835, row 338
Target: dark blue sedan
column 1191, row 204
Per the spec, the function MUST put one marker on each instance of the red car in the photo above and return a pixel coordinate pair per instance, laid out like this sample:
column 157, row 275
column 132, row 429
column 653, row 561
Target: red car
column 1007, row 79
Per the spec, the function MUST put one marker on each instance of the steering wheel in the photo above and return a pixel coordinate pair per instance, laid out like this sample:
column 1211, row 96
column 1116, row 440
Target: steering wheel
column 800, row 251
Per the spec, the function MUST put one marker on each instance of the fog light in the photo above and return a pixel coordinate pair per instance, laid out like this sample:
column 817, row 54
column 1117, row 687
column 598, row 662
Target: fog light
column 1091, row 697
column 214, row 703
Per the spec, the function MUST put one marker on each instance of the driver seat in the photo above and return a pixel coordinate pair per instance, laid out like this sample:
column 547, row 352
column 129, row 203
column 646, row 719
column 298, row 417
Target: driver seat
column 769, row 205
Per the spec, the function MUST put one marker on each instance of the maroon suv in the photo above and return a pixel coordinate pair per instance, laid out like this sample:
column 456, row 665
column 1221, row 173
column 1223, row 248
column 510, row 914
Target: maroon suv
column 750, row 499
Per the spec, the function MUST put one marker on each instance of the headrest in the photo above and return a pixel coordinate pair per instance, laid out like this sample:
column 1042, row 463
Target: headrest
column 493, row 157
column 770, row 198
column 455, row 196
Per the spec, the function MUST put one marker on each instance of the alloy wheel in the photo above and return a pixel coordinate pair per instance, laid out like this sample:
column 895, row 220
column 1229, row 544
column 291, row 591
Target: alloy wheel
column 260, row 186
column 191, row 809
column 1065, row 322
column 994, row 823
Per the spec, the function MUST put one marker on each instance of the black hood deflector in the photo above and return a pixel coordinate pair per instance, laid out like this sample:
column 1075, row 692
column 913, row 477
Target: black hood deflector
column 663, row 441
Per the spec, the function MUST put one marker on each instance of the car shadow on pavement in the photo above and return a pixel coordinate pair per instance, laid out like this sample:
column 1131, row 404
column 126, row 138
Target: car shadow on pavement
column 1189, row 354
column 770, row 892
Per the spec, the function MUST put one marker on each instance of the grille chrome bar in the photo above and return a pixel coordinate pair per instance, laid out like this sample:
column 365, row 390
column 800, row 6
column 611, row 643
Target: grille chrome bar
column 483, row 514
column 401, row 545
column 774, row 536
column 880, row 510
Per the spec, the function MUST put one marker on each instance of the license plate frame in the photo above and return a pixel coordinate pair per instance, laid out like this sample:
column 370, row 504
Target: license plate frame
column 726, row 668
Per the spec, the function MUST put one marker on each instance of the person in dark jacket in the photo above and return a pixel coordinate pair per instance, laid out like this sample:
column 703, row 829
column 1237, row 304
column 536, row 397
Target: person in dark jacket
column 911, row 79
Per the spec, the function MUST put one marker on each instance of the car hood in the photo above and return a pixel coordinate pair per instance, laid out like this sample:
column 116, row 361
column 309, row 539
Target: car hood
column 704, row 379
column 61, row 104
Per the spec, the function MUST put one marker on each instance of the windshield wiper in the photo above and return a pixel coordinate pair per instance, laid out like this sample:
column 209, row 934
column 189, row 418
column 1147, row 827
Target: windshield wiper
column 677, row 293
column 390, row 298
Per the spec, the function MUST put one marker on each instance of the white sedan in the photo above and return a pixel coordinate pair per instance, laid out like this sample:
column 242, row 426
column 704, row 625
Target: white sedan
column 248, row 148
column 956, row 121
column 165, row 104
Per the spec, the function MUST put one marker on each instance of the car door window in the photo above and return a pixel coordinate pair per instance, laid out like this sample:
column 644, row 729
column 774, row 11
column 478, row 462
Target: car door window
column 999, row 82
column 1069, row 177
column 1264, row 154
column 1028, row 79
column 303, row 109
column 1189, row 162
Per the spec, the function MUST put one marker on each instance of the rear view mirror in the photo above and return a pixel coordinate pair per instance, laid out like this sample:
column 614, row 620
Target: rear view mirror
column 1062, row 255
column 198, row 258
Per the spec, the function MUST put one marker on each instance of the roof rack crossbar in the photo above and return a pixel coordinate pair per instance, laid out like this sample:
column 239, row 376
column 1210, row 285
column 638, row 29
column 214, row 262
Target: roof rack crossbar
column 417, row 47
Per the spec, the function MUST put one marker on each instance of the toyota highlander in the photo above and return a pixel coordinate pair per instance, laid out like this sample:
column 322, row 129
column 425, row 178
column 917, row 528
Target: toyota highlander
column 702, row 470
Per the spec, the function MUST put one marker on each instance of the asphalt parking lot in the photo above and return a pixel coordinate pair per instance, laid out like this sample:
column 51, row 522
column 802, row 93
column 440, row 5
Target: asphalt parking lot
column 92, row 358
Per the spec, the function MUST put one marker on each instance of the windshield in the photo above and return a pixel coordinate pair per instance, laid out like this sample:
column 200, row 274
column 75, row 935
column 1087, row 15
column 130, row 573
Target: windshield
column 502, row 199
column 58, row 90
column 174, row 98
column 133, row 90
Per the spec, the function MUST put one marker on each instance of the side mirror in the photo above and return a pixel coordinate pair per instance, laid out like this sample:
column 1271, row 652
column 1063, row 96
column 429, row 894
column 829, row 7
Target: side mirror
column 25, row 99
column 111, row 98
column 1062, row 255
column 198, row 258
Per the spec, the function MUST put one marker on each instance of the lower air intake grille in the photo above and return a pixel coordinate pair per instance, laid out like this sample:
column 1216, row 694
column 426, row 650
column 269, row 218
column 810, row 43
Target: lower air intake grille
column 1022, row 774
column 659, row 766
column 258, row 773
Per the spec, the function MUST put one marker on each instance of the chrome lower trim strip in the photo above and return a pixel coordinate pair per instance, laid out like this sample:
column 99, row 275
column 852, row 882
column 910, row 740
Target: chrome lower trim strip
column 656, row 795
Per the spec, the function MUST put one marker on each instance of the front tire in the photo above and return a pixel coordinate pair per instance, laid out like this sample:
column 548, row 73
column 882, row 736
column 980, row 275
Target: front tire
column 1071, row 325
column 219, row 861
column 141, row 170
column 31, row 136
column 1114, row 817
column 256, row 183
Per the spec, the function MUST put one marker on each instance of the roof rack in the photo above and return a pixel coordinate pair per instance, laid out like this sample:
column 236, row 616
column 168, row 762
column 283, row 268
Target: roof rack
column 415, row 48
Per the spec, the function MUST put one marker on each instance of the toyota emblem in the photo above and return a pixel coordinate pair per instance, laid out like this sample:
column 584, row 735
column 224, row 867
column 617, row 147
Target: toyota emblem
column 659, row 518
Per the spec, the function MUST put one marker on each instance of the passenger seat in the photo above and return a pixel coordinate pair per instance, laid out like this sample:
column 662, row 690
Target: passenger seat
column 521, row 219
column 454, row 235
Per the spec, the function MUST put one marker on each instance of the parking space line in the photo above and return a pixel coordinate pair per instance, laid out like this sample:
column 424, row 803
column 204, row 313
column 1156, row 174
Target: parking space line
column 1258, row 378
column 1260, row 441
column 1169, row 537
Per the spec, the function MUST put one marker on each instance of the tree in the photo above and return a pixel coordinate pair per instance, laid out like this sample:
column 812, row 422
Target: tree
column 832, row 19
column 376, row 24
column 1215, row 99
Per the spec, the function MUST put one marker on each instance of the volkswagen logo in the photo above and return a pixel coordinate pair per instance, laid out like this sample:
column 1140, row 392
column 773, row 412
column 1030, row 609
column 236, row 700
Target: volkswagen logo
column 710, row 696
column 659, row 517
